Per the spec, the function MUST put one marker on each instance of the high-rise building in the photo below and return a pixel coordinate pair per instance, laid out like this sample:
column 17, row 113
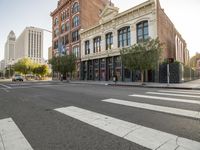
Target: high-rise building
column 67, row 19
column 30, row 45
column 49, row 53
column 2, row 65
column 9, row 51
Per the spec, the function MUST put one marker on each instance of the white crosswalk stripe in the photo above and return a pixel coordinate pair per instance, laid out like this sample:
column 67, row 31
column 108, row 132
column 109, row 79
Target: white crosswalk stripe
column 166, row 99
column 180, row 92
column 172, row 94
column 11, row 138
column 144, row 136
column 174, row 111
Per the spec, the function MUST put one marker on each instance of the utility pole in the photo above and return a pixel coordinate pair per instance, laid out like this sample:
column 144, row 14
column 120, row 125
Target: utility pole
column 168, row 74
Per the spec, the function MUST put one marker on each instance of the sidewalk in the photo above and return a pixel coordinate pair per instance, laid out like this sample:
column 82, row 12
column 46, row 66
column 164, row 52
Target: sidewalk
column 191, row 85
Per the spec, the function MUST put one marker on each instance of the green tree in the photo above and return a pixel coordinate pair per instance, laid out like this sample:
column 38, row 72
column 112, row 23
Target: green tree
column 193, row 60
column 142, row 56
column 64, row 64
column 24, row 66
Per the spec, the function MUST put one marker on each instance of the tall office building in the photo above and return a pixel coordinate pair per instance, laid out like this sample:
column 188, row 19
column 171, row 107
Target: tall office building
column 9, row 51
column 30, row 45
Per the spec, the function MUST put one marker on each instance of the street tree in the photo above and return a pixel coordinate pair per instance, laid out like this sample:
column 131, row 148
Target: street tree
column 142, row 56
column 64, row 64
column 24, row 66
column 193, row 60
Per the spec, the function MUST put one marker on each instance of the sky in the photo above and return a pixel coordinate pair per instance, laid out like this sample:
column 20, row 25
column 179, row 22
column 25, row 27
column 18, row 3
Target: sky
column 17, row 14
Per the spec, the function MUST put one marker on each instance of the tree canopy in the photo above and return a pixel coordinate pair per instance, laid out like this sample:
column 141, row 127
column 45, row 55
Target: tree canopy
column 142, row 56
column 63, row 64
column 193, row 60
column 24, row 66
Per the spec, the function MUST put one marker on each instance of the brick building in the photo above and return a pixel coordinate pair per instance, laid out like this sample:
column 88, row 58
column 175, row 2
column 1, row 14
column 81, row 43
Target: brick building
column 68, row 19
column 101, row 44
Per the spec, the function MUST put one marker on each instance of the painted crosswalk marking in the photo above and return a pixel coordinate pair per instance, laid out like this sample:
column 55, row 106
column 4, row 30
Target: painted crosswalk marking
column 171, row 94
column 170, row 110
column 180, row 92
column 166, row 99
column 11, row 138
column 144, row 136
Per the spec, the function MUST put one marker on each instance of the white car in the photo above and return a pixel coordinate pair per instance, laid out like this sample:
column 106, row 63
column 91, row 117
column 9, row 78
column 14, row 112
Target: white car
column 17, row 78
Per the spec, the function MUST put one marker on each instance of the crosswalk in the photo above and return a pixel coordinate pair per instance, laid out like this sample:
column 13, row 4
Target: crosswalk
column 23, row 85
column 11, row 138
column 141, row 135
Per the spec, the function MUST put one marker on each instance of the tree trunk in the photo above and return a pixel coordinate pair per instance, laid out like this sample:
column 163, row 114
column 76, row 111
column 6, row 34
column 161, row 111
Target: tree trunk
column 142, row 77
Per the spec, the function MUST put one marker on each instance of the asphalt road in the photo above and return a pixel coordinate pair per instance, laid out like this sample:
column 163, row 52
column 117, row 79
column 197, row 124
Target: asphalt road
column 32, row 107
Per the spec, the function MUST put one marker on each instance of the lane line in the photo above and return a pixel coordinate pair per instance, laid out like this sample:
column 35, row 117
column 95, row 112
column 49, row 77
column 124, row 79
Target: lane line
column 144, row 136
column 169, row 110
column 38, row 86
column 3, row 85
column 167, row 99
column 180, row 92
column 11, row 136
column 169, row 94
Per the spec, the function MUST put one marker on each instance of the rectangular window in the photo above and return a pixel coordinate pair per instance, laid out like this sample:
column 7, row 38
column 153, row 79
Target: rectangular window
column 87, row 47
column 142, row 31
column 124, row 37
column 97, row 44
column 76, row 51
column 109, row 41
column 75, row 36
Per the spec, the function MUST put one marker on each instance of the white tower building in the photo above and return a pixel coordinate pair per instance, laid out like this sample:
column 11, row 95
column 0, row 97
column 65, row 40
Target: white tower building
column 9, row 50
column 30, row 45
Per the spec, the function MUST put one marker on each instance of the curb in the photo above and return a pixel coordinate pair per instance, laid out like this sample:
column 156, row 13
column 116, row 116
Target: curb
column 149, row 86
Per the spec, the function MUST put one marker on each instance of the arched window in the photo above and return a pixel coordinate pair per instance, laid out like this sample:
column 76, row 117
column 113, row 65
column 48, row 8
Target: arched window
column 142, row 31
column 75, row 21
column 124, row 37
column 75, row 8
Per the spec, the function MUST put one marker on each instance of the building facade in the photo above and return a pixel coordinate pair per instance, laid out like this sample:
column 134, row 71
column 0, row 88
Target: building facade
column 30, row 45
column 49, row 53
column 9, row 50
column 101, row 44
column 68, row 19
column 2, row 64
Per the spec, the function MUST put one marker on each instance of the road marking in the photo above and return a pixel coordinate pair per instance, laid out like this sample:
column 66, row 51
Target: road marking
column 167, row 99
column 169, row 94
column 169, row 110
column 196, row 91
column 36, row 86
column 11, row 138
column 180, row 92
column 144, row 136
column 3, row 85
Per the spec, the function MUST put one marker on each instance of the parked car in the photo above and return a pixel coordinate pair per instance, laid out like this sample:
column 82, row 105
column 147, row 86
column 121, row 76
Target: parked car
column 17, row 78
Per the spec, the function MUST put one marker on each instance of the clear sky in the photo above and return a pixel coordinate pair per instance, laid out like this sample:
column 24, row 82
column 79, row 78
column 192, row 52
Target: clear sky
column 17, row 14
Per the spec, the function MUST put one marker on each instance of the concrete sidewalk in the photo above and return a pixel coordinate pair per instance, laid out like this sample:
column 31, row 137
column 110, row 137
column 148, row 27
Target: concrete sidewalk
column 191, row 85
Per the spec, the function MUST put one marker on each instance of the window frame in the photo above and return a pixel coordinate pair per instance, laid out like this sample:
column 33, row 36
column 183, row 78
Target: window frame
column 97, row 44
column 143, row 25
column 124, row 36
column 109, row 40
